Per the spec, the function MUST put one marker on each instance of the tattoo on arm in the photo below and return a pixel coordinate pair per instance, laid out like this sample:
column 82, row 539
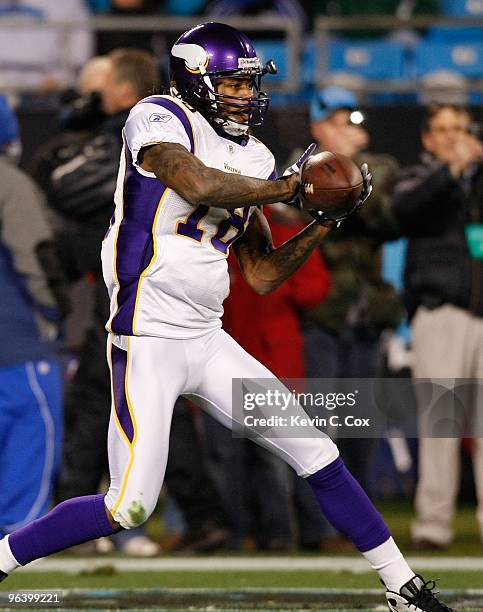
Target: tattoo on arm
column 199, row 184
column 265, row 267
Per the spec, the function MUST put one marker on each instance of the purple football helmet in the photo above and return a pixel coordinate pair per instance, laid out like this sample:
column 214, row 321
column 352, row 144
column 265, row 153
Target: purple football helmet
column 203, row 55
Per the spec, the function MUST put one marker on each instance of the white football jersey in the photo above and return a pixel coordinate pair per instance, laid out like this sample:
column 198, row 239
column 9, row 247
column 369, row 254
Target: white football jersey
column 164, row 259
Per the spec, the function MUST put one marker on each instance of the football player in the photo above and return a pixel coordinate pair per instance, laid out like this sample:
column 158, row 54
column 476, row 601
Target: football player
column 190, row 184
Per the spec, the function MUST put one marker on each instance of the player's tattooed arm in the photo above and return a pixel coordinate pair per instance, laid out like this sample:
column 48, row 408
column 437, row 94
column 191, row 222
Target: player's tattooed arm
column 179, row 169
column 265, row 267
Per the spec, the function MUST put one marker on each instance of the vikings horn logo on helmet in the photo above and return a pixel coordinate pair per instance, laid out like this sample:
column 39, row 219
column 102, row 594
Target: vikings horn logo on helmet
column 195, row 57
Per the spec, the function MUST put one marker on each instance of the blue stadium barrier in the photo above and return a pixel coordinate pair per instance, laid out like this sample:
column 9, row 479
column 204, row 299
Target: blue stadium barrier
column 465, row 59
column 371, row 60
column 461, row 8
column 275, row 50
column 475, row 98
column 393, row 264
column 309, row 61
column 449, row 34
column 99, row 6
column 187, row 7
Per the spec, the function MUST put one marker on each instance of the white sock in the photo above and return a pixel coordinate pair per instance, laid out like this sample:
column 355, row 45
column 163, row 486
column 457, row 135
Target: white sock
column 391, row 566
column 7, row 561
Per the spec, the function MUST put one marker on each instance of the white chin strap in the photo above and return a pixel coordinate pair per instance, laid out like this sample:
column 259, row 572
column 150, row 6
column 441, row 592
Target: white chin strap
column 227, row 125
column 232, row 128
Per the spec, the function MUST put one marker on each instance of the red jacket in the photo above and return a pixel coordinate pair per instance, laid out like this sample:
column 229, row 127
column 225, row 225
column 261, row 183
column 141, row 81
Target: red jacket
column 268, row 327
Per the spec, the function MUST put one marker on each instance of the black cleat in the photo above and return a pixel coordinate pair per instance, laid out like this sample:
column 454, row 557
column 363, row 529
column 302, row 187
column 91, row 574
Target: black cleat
column 3, row 575
column 416, row 596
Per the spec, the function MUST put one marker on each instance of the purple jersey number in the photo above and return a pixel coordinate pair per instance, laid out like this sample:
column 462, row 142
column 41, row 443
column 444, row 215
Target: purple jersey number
column 234, row 220
column 190, row 229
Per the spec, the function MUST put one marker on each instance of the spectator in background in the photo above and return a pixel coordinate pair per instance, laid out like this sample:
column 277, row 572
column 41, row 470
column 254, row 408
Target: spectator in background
column 80, row 115
column 93, row 75
column 268, row 328
column 439, row 205
column 33, row 302
column 33, row 58
column 342, row 333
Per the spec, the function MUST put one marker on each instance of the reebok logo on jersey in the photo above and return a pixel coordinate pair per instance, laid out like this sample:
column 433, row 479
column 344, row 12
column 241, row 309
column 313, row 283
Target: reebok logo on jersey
column 156, row 117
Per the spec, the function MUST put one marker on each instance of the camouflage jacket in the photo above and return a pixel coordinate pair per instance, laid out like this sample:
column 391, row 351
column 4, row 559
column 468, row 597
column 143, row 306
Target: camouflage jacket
column 359, row 296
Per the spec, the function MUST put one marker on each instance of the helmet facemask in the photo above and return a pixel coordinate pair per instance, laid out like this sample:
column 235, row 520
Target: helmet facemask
column 236, row 114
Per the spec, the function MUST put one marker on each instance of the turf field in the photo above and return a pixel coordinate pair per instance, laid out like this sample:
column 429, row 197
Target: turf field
column 253, row 581
column 106, row 588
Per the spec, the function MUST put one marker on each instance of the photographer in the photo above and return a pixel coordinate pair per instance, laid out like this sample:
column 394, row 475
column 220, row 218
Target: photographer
column 439, row 205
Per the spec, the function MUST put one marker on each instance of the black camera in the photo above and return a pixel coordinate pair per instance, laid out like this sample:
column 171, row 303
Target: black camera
column 79, row 113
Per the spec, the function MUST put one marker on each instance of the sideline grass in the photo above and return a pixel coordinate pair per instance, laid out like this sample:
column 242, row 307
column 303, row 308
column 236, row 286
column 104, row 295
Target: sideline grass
column 107, row 578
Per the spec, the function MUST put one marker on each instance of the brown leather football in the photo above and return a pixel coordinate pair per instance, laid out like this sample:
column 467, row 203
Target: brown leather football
column 330, row 182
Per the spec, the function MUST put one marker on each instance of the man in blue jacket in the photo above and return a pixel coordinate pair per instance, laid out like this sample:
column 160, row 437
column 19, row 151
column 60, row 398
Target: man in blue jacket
column 31, row 306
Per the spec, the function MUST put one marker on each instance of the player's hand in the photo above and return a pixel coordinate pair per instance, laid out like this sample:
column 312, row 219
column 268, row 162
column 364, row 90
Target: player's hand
column 466, row 150
column 293, row 172
column 296, row 167
column 294, row 184
column 328, row 221
column 366, row 187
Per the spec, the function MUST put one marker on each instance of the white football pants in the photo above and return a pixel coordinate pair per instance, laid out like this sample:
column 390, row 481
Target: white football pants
column 147, row 378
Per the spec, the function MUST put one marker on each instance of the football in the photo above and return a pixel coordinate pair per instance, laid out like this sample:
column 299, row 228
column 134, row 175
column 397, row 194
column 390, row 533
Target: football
column 330, row 182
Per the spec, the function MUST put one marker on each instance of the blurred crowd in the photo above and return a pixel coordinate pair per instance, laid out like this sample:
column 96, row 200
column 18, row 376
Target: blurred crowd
column 45, row 43
column 339, row 316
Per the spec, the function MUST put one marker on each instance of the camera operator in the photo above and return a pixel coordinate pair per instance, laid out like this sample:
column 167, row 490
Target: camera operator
column 439, row 205
column 75, row 189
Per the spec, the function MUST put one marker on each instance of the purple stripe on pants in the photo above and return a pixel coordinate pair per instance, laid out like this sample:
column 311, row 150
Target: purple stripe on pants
column 119, row 364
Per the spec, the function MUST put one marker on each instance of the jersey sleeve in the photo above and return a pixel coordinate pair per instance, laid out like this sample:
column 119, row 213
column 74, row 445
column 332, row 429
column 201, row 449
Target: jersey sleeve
column 154, row 123
column 265, row 161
